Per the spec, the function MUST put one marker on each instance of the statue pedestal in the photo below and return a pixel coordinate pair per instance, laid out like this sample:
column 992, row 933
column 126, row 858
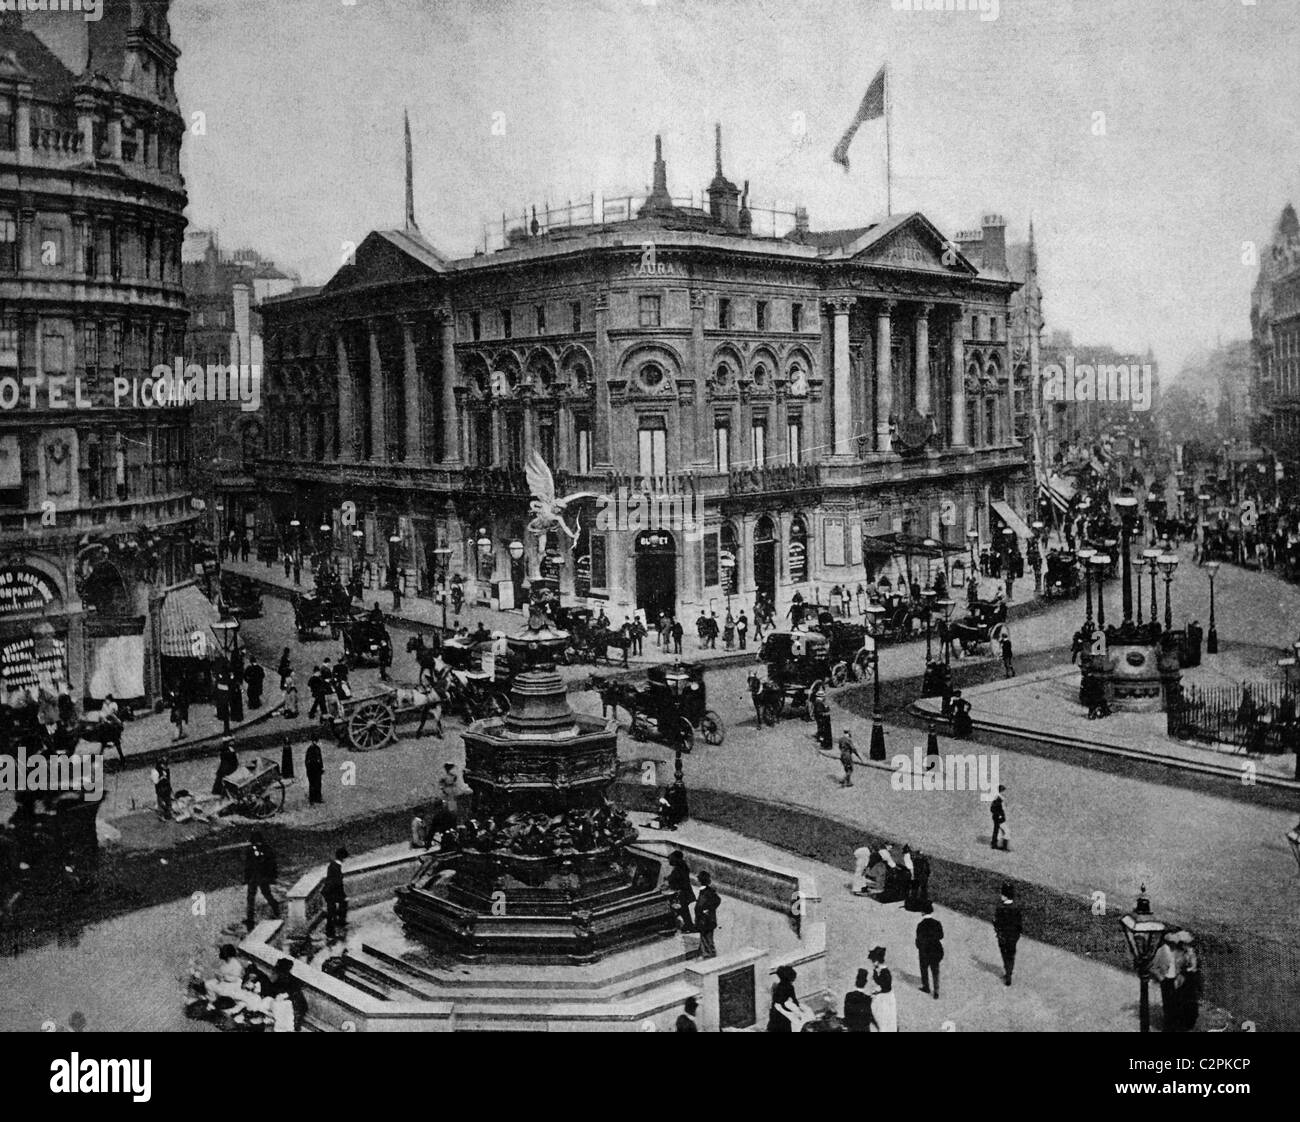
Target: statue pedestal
column 1137, row 671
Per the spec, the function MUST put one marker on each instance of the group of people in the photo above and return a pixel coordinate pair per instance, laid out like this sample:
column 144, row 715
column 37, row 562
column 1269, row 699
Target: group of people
column 696, row 913
column 892, row 880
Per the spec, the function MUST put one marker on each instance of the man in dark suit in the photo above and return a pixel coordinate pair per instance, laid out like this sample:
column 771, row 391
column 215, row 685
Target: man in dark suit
column 706, row 915
column 998, row 811
column 260, row 873
column 929, row 949
column 1008, row 922
column 335, row 896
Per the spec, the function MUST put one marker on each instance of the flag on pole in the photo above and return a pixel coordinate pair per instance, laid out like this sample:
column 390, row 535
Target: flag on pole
column 872, row 107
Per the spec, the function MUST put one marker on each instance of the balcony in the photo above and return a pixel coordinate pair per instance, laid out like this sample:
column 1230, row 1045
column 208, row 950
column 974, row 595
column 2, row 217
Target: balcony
column 56, row 142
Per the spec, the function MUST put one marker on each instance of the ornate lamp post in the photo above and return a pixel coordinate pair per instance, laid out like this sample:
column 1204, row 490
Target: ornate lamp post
column 1100, row 562
column 728, row 566
column 1149, row 559
column 294, row 527
column 227, row 633
column 1142, row 933
column 1126, row 504
column 973, row 537
column 1086, row 556
column 929, row 596
column 877, row 751
column 946, row 606
column 1168, row 562
column 1212, row 636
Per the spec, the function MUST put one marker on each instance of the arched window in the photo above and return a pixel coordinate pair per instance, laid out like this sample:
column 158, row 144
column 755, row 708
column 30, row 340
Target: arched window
column 798, row 550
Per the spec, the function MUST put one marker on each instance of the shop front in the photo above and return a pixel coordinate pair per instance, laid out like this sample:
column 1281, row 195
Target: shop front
column 34, row 632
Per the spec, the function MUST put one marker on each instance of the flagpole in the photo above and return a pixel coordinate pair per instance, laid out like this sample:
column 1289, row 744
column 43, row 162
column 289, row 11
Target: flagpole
column 889, row 183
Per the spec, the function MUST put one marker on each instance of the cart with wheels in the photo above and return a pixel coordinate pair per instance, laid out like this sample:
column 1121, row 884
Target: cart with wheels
column 256, row 789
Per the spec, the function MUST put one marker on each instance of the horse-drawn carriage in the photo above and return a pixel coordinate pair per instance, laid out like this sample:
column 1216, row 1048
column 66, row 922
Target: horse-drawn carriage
column 798, row 665
column 589, row 641
column 901, row 619
column 985, row 624
column 370, row 722
column 1061, row 575
column 365, row 640
column 849, row 657
column 671, row 708
column 321, row 610
column 241, row 597
column 473, row 679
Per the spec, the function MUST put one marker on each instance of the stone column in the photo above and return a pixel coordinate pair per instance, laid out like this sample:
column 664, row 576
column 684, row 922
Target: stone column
column 450, row 423
column 957, row 381
column 412, row 396
column 378, row 430
column 1011, row 396
column 347, row 422
column 601, row 456
column 702, row 440
column 923, row 359
column 884, row 374
column 841, row 375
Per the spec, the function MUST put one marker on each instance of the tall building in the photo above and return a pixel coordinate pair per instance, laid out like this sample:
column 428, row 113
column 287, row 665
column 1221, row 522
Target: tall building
column 1275, row 339
column 95, row 511
column 806, row 407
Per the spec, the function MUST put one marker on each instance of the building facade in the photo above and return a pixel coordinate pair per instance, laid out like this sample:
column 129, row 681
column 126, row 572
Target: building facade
column 804, row 408
column 95, row 511
column 1275, row 347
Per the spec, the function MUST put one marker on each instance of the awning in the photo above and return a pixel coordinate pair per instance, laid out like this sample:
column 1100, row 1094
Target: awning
column 1059, row 490
column 1012, row 519
column 187, row 616
column 876, row 547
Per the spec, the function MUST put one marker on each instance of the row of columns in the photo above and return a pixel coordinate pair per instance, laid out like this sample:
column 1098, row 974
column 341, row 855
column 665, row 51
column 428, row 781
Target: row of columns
column 842, row 399
column 413, row 398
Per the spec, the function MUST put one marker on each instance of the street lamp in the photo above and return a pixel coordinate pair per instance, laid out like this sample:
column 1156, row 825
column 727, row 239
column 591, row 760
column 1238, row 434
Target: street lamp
column 1143, row 933
column 1168, row 562
column 973, row 536
column 877, row 751
column 1086, row 556
column 1126, row 504
column 929, row 596
column 1149, row 559
column 1099, row 562
column 227, row 633
column 1212, row 636
column 946, row 606
column 728, row 565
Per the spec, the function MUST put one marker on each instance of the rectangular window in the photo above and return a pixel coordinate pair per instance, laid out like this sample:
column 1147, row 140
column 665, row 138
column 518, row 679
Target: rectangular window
column 995, row 327
column 711, row 559
column 515, row 443
column 115, row 347
column 794, row 441
column 796, row 317
column 507, row 324
column 8, row 136
column 51, row 247
column 648, row 310
column 652, row 450
column 8, row 241
column 94, row 473
column 599, row 561
column 540, row 313
column 760, row 315
column 724, row 313
column 759, row 435
column 974, row 327
column 90, row 346
column 483, row 439
column 475, row 326
column 583, row 435
column 53, row 354
column 9, row 341
column 546, row 441
column 722, row 445
column 90, row 252
column 576, row 310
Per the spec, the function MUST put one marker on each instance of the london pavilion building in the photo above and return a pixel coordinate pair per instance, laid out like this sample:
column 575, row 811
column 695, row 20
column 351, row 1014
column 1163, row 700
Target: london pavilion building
column 824, row 401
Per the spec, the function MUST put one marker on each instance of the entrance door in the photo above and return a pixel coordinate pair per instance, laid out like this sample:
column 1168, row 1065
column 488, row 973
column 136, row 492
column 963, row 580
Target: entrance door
column 765, row 559
column 656, row 574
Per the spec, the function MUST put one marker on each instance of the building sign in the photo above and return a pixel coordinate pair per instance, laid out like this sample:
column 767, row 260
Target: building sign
column 25, row 590
column 655, row 541
column 798, row 557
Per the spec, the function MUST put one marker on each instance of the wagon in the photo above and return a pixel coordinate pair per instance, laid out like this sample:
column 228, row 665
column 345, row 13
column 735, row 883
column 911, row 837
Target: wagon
column 314, row 612
column 370, row 722
column 1062, row 575
column 798, row 666
column 673, row 706
column 257, row 788
column 474, row 680
column 365, row 640
column 849, row 656
column 986, row 624
column 241, row 597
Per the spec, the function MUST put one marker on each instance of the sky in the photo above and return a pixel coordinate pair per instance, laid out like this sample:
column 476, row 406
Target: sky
column 1148, row 140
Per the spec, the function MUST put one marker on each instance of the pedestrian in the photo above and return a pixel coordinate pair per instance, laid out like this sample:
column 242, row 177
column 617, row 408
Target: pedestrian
column 236, row 693
column 335, row 896
column 676, row 631
column 396, row 587
column 112, row 722
column 785, row 1013
column 285, row 669
column 961, row 720
column 451, row 789
column 290, row 707
column 1164, row 969
column 998, row 812
column 227, row 764
column 929, row 950
column 297, row 570
column 702, row 630
column 180, row 712
column 162, row 787
column 255, row 679
column 342, row 686
column 729, row 631
column 661, row 631
column 713, row 631
column 679, row 880
column 286, row 759
column 686, row 1019
column 260, row 873
column 706, row 915
column 758, row 620
column 848, row 753
column 931, row 743
column 857, row 1004
column 918, row 891
column 1008, row 922
column 385, row 660
column 822, row 715
column 884, row 1003
column 432, row 707
column 639, row 633
column 283, row 983
column 742, row 629
column 1008, row 671
column 314, row 764
column 316, row 686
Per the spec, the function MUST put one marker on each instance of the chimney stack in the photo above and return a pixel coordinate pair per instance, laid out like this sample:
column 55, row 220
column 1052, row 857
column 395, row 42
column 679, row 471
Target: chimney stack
column 995, row 242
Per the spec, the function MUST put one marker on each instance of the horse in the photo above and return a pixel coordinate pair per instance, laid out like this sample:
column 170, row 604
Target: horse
column 426, row 657
column 766, row 698
column 613, row 695
column 600, row 640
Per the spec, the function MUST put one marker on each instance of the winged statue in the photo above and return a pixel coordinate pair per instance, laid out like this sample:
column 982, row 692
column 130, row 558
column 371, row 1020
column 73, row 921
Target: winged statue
column 548, row 511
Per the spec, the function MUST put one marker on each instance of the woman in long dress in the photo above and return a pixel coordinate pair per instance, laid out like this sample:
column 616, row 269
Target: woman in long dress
column 884, row 1005
column 786, row 1012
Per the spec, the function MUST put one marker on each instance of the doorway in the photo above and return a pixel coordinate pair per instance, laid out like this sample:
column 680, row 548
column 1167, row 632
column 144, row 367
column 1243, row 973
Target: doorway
column 765, row 559
column 656, row 574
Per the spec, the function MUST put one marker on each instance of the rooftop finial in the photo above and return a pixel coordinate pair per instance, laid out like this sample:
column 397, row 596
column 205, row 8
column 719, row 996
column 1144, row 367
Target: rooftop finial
column 717, row 147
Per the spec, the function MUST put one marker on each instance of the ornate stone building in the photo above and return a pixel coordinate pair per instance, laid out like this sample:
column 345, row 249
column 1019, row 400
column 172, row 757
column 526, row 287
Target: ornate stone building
column 1275, row 337
column 94, row 504
column 814, row 397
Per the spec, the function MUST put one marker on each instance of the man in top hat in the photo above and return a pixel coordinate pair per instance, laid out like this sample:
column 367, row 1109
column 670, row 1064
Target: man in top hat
column 335, row 896
column 1008, row 922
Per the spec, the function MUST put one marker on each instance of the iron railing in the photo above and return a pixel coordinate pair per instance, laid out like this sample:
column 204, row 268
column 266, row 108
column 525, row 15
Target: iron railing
column 1255, row 716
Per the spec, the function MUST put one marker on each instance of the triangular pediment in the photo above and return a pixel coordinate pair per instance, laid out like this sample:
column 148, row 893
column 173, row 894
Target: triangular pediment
column 386, row 257
column 910, row 242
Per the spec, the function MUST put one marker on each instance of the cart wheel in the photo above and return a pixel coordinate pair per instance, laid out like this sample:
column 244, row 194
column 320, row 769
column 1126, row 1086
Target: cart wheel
column 839, row 673
column 266, row 803
column 712, row 728
column 371, row 725
column 686, row 733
